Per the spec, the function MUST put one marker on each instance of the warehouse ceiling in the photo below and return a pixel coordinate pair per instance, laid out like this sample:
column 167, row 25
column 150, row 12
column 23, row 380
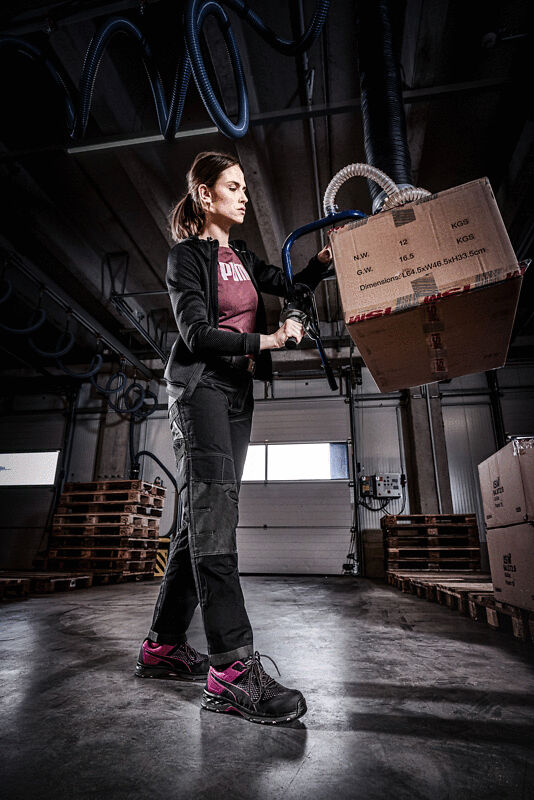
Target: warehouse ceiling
column 87, row 216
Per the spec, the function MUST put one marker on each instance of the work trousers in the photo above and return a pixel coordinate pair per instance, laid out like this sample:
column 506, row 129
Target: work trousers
column 211, row 433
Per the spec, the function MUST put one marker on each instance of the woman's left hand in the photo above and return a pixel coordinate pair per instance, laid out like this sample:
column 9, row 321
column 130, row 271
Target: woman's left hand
column 325, row 255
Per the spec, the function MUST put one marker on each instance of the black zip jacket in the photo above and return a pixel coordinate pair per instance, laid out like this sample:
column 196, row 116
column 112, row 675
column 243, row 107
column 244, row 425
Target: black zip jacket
column 192, row 281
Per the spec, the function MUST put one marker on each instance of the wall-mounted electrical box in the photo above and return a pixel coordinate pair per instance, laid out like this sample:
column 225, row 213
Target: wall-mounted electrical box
column 387, row 485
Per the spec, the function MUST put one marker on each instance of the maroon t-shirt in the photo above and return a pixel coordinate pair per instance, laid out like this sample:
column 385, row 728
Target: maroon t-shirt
column 238, row 300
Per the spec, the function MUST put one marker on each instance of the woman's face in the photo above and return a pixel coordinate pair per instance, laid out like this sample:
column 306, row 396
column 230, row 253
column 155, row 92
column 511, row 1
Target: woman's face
column 226, row 200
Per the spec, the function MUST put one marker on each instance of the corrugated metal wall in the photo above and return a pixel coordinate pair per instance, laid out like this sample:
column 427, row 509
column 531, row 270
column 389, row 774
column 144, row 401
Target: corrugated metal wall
column 469, row 438
column 86, row 431
column 517, row 400
column 469, row 429
column 379, row 449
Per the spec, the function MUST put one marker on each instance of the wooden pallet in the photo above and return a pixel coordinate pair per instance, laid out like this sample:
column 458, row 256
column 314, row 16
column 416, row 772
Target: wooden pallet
column 470, row 594
column 91, row 563
column 437, row 565
column 433, row 552
column 430, row 520
column 46, row 582
column 116, row 484
column 14, row 587
column 444, row 535
column 106, row 509
column 106, row 578
column 73, row 499
column 502, row 616
column 424, row 584
column 105, row 540
column 103, row 521
column 122, row 553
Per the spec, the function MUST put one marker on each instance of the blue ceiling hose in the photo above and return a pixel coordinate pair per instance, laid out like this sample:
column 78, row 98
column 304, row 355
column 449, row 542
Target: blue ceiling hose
column 191, row 61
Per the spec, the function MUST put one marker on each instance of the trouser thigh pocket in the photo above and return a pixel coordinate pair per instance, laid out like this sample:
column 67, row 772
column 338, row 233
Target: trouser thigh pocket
column 214, row 517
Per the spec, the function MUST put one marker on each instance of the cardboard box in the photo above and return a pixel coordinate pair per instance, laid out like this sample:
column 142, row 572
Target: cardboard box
column 429, row 290
column 511, row 555
column 507, row 484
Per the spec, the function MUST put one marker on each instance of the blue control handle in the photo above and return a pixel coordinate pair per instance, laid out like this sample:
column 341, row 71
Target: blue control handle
column 324, row 222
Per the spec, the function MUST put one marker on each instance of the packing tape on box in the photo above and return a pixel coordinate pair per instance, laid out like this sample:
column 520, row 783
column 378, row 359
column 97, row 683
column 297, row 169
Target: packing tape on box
column 434, row 329
column 520, row 445
column 420, row 297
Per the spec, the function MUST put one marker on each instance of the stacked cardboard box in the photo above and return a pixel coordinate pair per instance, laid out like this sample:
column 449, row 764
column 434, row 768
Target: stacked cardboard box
column 507, row 485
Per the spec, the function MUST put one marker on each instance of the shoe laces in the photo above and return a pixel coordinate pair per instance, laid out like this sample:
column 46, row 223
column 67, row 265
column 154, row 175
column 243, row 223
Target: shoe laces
column 190, row 652
column 258, row 680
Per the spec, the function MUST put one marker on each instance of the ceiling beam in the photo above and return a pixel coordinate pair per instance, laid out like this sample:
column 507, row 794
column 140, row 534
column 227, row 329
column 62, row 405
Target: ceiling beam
column 49, row 17
column 410, row 97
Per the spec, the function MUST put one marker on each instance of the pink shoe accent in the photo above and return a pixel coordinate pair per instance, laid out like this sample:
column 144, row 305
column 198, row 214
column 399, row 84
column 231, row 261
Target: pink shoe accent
column 162, row 649
column 229, row 674
column 152, row 651
column 217, row 688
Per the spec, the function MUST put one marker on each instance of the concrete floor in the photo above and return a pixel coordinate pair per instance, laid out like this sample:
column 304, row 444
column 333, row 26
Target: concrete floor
column 405, row 698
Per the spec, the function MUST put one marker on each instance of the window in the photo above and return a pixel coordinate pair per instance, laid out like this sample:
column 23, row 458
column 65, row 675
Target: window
column 28, row 469
column 323, row 461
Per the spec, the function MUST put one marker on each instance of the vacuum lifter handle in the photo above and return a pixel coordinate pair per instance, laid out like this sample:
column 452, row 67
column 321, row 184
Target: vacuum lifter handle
column 324, row 222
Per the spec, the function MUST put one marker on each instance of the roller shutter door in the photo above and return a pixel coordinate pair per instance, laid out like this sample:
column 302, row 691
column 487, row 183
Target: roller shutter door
column 296, row 527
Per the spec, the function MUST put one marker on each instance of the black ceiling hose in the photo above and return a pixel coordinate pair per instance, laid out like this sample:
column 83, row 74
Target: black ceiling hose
column 384, row 121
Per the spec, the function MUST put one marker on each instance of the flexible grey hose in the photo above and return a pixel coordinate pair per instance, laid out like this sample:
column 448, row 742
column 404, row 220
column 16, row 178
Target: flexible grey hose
column 395, row 195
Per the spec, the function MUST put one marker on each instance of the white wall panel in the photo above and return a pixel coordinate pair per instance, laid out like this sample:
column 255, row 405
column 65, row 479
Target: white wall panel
column 299, row 504
column 314, row 420
column 292, row 551
column 293, row 387
column 469, row 439
column 25, row 509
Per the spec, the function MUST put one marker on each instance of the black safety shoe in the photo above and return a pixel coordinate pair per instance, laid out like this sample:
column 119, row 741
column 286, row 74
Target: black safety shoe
column 179, row 662
column 247, row 689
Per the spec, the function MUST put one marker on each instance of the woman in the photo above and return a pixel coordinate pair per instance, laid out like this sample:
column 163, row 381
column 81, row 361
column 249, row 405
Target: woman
column 215, row 289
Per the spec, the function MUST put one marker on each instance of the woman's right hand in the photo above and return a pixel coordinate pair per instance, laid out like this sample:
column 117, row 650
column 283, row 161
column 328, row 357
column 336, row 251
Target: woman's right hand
column 277, row 340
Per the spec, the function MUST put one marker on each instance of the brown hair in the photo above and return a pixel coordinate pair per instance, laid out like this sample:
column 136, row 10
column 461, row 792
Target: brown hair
column 187, row 218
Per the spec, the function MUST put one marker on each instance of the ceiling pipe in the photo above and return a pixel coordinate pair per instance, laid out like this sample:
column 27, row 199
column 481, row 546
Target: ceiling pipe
column 384, row 121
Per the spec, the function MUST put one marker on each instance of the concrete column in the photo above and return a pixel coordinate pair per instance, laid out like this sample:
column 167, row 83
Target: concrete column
column 112, row 457
column 426, row 453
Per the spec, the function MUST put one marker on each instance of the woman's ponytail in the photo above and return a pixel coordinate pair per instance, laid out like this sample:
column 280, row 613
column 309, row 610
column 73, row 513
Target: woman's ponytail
column 187, row 218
